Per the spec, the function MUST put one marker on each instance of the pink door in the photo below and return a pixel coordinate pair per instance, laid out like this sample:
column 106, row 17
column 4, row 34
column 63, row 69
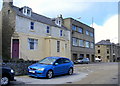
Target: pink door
column 15, row 48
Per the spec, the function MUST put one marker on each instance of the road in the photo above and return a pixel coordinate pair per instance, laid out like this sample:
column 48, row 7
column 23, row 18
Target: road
column 95, row 73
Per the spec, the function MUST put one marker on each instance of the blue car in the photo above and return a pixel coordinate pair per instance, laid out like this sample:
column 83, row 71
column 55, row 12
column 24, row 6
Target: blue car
column 51, row 66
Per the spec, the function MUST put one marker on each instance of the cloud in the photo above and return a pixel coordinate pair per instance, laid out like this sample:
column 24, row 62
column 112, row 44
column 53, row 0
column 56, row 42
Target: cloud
column 109, row 30
column 54, row 7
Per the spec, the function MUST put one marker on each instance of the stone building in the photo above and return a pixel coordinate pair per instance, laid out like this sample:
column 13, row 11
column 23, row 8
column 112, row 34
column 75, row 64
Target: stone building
column 30, row 36
column 107, row 51
column 82, row 39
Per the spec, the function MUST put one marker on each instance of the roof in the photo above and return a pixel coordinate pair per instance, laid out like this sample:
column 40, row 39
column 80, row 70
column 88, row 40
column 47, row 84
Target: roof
column 37, row 17
column 79, row 22
column 104, row 42
column 55, row 57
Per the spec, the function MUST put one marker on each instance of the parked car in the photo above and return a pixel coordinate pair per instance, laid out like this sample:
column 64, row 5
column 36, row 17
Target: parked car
column 82, row 61
column 98, row 59
column 7, row 75
column 51, row 66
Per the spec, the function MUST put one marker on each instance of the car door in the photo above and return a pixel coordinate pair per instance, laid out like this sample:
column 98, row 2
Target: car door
column 67, row 65
column 59, row 67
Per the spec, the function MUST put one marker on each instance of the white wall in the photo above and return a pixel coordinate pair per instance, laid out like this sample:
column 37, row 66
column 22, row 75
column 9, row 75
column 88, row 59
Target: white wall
column 23, row 26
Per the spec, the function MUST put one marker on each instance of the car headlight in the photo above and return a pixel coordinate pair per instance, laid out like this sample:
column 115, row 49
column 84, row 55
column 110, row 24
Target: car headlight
column 41, row 69
column 12, row 71
column 28, row 67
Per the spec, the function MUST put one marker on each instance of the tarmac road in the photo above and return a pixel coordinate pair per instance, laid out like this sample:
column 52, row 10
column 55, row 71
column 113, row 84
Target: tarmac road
column 95, row 73
column 101, row 73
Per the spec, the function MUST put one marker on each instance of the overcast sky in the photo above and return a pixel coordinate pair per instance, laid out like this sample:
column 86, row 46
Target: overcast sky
column 104, row 13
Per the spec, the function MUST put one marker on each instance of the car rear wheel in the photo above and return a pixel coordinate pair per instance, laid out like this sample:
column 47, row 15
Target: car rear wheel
column 4, row 80
column 49, row 74
column 70, row 72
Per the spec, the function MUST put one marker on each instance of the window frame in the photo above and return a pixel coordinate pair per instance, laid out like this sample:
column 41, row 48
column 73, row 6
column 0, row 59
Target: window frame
column 32, row 42
column 32, row 25
column 87, row 45
column 74, row 28
column 80, row 30
column 87, row 32
column 48, row 30
column 58, row 46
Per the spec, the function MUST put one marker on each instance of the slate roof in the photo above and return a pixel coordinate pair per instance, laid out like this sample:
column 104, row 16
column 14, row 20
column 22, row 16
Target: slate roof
column 104, row 42
column 37, row 17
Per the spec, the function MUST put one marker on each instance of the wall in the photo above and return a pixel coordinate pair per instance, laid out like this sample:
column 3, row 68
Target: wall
column 8, row 26
column 20, row 67
column 68, row 22
column 45, row 48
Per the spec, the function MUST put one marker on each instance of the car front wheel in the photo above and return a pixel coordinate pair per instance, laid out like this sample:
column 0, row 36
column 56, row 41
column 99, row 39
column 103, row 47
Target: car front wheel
column 49, row 74
column 4, row 80
column 70, row 72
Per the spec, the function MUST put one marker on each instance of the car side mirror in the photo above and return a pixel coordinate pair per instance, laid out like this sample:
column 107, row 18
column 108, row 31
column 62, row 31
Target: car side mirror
column 56, row 64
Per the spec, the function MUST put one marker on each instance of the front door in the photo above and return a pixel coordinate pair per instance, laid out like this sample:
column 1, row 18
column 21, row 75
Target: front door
column 15, row 48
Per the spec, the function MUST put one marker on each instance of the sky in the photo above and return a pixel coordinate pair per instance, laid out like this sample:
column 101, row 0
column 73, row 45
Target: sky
column 102, row 14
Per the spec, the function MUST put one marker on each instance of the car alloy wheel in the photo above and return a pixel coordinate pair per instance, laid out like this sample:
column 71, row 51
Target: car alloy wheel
column 4, row 80
column 49, row 74
column 70, row 72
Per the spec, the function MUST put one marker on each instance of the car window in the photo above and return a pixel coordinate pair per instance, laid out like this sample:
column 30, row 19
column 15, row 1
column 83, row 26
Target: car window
column 66, row 60
column 47, row 61
column 59, row 61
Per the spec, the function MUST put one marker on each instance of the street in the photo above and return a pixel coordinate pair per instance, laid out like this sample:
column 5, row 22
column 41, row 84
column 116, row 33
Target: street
column 94, row 73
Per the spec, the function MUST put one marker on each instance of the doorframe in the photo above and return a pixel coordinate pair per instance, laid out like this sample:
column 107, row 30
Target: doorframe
column 12, row 47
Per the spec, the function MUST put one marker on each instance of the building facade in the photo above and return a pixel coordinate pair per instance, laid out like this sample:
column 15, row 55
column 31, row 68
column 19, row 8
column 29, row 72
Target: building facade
column 82, row 39
column 107, row 51
column 30, row 36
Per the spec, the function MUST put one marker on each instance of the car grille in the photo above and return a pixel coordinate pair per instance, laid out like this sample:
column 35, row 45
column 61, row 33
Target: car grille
column 33, row 69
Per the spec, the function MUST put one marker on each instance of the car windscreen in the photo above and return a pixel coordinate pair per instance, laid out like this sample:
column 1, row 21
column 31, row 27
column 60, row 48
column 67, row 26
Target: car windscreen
column 48, row 61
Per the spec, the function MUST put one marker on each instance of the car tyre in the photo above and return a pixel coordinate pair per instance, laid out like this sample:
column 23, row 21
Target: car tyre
column 49, row 74
column 4, row 80
column 70, row 72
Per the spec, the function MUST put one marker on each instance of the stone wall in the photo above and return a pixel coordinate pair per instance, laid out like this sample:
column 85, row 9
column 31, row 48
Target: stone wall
column 20, row 67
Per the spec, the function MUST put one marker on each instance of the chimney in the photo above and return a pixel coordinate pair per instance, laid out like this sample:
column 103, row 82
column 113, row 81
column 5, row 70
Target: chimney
column 108, row 40
column 10, row 2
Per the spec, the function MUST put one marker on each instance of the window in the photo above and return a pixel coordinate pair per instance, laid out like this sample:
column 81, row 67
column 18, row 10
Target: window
column 74, row 28
column 87, row 32
column 98, row 51
column 59, row 61
column 99, row 57
column 91, row 34
column 74, row 41
column 81, row 43
column 24, row 10
column 107, row 51
column 32, row 25
column 87, row 44
column 81, row 55
column 58, row 46
column 48, row 29
column 28, row 12
column 91, row 45
column 80, row 30
column 61, row 32
column 66, row 60
column 8, row 11
column 32, row 43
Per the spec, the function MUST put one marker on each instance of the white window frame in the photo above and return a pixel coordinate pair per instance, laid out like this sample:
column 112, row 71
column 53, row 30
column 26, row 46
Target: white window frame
column 35, row 43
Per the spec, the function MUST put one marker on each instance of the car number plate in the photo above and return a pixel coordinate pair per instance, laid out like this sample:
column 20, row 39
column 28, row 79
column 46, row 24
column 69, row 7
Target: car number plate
column 32, row 71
